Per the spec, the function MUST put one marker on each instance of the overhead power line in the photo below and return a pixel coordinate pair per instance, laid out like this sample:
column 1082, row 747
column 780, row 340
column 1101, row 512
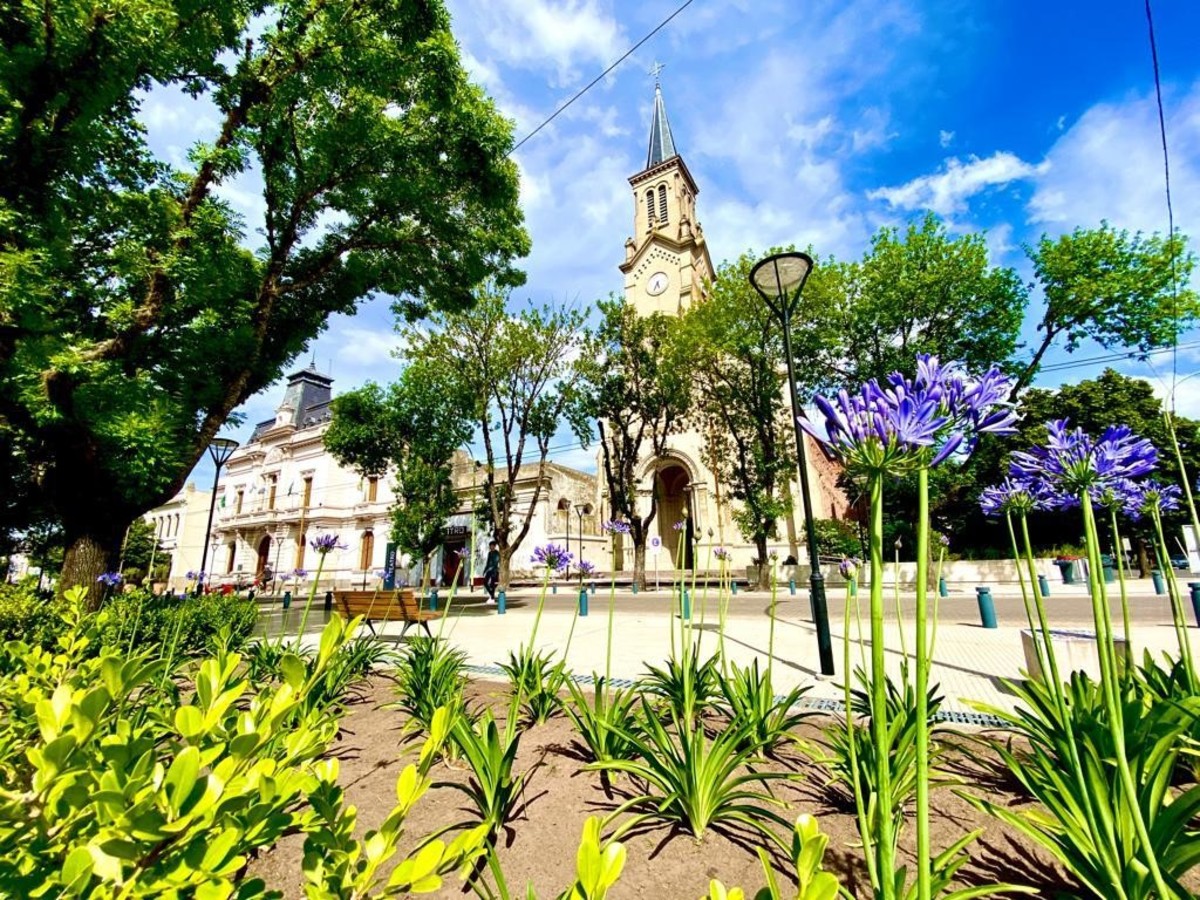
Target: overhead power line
column 591, row 84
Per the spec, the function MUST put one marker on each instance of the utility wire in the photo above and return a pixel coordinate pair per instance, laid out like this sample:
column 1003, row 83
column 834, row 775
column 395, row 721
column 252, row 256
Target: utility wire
column 591, row 84
column 1162, row 130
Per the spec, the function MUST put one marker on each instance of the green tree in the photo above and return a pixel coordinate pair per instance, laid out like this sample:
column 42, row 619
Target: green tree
column 915, row 291
column 638, row 399
column 141, row 551
column 133, row 318
column 734, row 352
column 412, row 430
column 1120, row 290
column 518, row 375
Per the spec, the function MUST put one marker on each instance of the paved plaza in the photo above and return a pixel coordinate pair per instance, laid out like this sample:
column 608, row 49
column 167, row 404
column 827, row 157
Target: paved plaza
column 970, row 661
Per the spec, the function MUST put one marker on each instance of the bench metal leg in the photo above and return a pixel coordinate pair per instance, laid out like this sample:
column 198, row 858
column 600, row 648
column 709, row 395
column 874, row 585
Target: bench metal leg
column 368, row 623
column 428, row 633
column 404, row 630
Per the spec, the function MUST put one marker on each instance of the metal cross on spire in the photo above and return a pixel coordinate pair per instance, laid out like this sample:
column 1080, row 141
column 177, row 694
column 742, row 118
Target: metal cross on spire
column 655, row 69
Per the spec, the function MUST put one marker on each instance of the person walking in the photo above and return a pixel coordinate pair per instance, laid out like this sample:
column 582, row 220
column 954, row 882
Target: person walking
column 491, row 573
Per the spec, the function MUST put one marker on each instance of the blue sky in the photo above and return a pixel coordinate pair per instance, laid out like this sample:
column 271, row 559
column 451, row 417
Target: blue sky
column 815, row 123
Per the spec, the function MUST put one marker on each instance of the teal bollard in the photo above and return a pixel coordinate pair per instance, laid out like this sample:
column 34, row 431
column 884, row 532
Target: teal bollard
column 1195, row 586
column 287, row 599
column 433, row 600
column 635, row 587
column 593, row 589
column 1160, row 586
column 733, row 585
column 583, row 602
column 554, row 588
column 1044, row 585
column 792, row 586
column 687, row 605
column 987, row 608
column 942, row 590
column 501, row 603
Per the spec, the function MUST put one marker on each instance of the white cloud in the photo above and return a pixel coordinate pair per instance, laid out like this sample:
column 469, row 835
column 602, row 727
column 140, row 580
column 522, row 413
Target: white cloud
column 563, row 35
column 947, row 191
column 945, row 138
column 1108, row 165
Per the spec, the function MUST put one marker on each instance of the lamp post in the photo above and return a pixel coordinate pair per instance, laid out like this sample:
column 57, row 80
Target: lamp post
column 580, row 509
column 220, row 449
column 779, row 279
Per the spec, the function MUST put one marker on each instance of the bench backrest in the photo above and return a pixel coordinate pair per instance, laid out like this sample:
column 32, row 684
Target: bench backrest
column 378, row 604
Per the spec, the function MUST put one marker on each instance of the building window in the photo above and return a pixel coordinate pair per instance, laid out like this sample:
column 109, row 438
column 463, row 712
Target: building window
column 300, row 545
column 650, row 204
column 229, row 559
column 368, row 550
column 237, row 504
column 271, row 485
column 175, row 526
column 662, row 203
column 307, row 493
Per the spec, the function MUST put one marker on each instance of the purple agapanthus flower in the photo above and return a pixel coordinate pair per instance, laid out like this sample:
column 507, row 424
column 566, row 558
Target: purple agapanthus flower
column 680, row 525
column 944, row 540
column 721, row 553
column 849, row 567
column 327, row 543
column 1073, row 462
column 299, row 573
column 1014, row 494
column 1151, row 496
column 552, row 556
column 585, row 568
column 110, row 579
column 615, row 526
column 462, row 552
column 905, row 423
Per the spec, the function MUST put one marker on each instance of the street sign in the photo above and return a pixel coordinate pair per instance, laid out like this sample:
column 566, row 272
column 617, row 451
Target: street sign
column 655, row 545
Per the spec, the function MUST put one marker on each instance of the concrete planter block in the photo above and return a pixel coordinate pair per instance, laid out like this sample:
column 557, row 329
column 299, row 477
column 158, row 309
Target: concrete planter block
column 1074, row 650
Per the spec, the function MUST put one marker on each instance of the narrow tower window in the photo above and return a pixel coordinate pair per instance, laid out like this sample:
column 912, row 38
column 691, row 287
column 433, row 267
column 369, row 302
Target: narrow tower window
column 650, row 204
column 662, row 203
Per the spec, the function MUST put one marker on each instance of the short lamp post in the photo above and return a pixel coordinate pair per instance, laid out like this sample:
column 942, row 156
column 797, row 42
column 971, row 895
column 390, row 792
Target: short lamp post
column 220, row 449
column 780, row 279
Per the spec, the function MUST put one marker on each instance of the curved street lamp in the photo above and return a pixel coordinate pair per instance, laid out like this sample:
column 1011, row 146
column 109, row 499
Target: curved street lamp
column 219, row 449
column 779, row 279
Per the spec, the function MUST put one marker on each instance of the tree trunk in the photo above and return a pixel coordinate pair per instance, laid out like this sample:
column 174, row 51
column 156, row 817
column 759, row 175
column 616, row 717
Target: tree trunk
column 764, row 564
column 92, row 549
column 1143, row 558
column 639, row 564
column 505, row 567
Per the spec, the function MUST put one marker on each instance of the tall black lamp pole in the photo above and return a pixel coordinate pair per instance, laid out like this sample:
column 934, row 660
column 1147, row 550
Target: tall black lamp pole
column 220, row 449
column 780, row 279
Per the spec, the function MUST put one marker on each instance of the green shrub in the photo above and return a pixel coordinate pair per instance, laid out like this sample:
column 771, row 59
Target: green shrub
column 837, row 537
column 190, row 624
column 26, row 615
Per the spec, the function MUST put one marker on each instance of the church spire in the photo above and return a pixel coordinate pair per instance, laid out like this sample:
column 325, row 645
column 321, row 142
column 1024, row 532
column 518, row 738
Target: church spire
column 662, row 145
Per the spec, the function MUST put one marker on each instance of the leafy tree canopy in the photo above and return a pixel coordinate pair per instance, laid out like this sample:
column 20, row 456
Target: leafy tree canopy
column 516, row 375
column 133, row 316
column 915, row 291
column 411, row 429
column 1120, row 290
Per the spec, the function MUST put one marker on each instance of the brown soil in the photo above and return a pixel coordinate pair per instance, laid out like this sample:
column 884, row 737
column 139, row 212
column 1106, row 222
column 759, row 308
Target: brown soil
column 540, row 843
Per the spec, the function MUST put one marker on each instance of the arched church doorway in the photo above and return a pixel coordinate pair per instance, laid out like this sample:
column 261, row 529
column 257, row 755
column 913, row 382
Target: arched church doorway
column 674, row 496
column 264, row 556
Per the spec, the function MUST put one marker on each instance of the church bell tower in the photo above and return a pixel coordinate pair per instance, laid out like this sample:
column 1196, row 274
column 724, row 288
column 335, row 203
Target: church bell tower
column 667, row 264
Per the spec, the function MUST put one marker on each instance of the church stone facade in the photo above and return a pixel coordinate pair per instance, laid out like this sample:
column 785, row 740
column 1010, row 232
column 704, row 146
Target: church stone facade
column 667, row 270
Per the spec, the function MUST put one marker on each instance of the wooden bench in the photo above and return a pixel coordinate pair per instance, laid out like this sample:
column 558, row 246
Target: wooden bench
column 386, row 606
